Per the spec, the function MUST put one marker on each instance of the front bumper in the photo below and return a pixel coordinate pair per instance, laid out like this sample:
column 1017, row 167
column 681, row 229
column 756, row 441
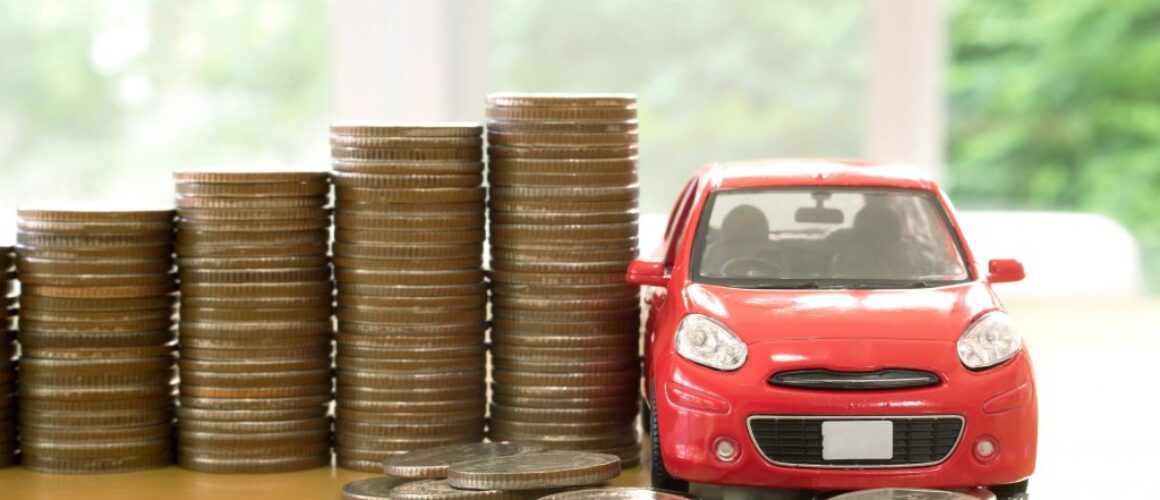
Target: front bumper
column 696, row 407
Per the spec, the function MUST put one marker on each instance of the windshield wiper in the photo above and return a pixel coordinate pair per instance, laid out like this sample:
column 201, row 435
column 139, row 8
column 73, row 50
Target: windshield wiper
column 786, row 285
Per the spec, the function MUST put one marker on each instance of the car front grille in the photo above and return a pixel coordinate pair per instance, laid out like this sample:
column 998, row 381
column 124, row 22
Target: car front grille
column 797, row 441
column 827, row 380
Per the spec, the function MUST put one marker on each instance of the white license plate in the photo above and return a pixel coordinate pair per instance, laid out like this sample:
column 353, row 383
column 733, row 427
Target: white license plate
column 857, row 440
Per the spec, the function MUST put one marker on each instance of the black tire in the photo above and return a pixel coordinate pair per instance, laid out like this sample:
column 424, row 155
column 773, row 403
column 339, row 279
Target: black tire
column 1013, row 491
column 661, row 479
column 645, row 417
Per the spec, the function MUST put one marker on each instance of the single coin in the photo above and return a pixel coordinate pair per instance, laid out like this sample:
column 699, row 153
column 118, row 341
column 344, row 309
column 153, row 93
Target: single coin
column 132, row 317
column 501, row 178
column 257, row 290
column 161, row 322
column 402, row 334
column 398, row 167
column 93, row 227
column 623, row 414
column 354, row 219
column 250, row 250
column 254, row 262
column 48, row 340
column 255, row 404
column 199, row 391
column 101, row 465
column 32, row 265
column 411, row 314
column 614, row 437
column 84, row 367
column 375, row 488
column 410, row 365
column 554, row 316
column 575, row 166
column 388, row 196
column 251, row 415
column 45, row 433
column 564, row 232
column 256, row 176
column 409, row 236
column 251, row 203
column 256, row 217
column 393, row 380
column 410, row 430
column 201, row 313
column 253, row 342
column 472, row 300
column 99, row 280
column 474, row 262
column 145, row 405
column 561, row 126
column 439, row 489
column 424, row 154
column 379, row 251
column 413, row 181
column 379, row 142
column 359, row 355
column 564, row 217
column 570, row 428
column 254, row 380
column 574, row 205
column 162, row 251
column 103, row 419
column 626, row 341
column 136, row 352
column 562, row 152
column 381, row 418
column 903, row 494
column 253, row 190
column 94, row 214
column 618, row 494
column 252, row 465
column 63, row 449
column 347, row 440
column 609, row 291
column 562, row 113
column 539, row 100
column 96, row 241
column 592, row 391
column 309, row 301
column 434, row 462
column 306, row 448
column 271, row 328
column 216, row 354
column 564, row 305
column 272, row 426
column 626, row 363
column 403, row 129
column 564, row 195
column 465, row 277
column 250, row 238
column 101, row 292
column 551, row 469
column 314, row 223
column 562, row 139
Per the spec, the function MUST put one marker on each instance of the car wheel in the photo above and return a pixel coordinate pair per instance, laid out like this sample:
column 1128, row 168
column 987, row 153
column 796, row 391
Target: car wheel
column 661, row 479
column 1013, row 491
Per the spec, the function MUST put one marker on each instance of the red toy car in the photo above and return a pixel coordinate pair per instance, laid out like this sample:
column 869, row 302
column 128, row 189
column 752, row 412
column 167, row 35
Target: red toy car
column 822, row 325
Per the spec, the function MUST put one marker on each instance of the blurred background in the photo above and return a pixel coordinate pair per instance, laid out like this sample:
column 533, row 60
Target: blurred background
column 1040, row 118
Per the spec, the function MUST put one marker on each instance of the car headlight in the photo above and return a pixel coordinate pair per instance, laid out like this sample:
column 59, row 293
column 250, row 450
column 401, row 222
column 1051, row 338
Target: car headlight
column 990, row 340
column 706, row 342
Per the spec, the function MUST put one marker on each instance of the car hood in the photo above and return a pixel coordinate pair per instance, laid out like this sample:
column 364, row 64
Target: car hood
column 911, row 314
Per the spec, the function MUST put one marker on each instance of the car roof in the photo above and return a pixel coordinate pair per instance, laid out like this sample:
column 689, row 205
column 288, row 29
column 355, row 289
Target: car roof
column 815, row 172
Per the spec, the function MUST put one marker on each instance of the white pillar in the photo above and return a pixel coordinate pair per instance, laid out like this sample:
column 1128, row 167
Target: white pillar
column 906, row 111
column 410, row 60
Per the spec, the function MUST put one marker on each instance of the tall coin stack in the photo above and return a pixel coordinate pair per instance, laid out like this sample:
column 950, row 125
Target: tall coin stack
column 412, row 302
column 96, row 335
column 8, row 436
column 256, row 320
column 563, row 210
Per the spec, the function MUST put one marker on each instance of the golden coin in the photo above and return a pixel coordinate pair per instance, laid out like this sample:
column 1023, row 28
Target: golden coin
column 425, row 154
column 561, row 152
column 532, row 139
column 251, row 203
column 256, row 217
column 538, row 100
column 378, row 142
column 403, row 167
column 223, row 176
column 385, row 196
column 95, row 215
column 402, row 129
column 358, row 180
column 254, row 190
column 562, row 113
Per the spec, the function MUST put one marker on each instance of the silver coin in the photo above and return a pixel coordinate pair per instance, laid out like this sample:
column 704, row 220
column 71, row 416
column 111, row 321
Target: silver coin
column 552, row 469
column 904, row 494
column 375, row 488
column 434, row 462
column 616, row 494
column 440, row 489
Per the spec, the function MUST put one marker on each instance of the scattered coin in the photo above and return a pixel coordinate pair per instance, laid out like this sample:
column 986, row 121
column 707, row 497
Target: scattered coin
column 441, row 489
column 552, row 469
column 375, row 488
column 434, row 462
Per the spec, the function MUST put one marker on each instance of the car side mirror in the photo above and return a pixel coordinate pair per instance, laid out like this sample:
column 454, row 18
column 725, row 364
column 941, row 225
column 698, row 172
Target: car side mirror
column 1004, row 271
column 646, row 272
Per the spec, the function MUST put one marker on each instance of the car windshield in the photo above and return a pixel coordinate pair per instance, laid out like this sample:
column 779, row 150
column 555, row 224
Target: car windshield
column 826, row 238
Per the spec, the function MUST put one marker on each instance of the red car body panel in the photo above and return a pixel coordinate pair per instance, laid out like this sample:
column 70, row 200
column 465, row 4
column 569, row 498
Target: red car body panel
column 840, row 330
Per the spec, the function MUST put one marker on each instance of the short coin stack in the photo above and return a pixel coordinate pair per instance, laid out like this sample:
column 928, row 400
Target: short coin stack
column 256, row 320
column 8, row 436
column 563, row 210
column 409, row 232
column 96, row 335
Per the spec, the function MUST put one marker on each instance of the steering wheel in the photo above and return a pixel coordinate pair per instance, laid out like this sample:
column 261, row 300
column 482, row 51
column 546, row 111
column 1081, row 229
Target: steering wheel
column 751, row 267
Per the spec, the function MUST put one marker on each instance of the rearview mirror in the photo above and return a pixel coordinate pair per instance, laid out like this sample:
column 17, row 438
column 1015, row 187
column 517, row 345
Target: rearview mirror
column 1004, row 271
column 644, row 272
column 819, row 215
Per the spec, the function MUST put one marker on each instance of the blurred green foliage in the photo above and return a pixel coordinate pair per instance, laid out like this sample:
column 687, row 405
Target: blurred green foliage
column 1056, row 105
column 100, row 99
column 718, row 80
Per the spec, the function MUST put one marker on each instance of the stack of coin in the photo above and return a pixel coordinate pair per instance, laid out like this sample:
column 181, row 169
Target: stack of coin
column 256, row 320
column 412, row 304
column 96, row 335
column 563, row 226
column 8, row 436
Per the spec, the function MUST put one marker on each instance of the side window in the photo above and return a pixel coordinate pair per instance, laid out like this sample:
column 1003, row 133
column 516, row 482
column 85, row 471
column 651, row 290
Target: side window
column 678, row 223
